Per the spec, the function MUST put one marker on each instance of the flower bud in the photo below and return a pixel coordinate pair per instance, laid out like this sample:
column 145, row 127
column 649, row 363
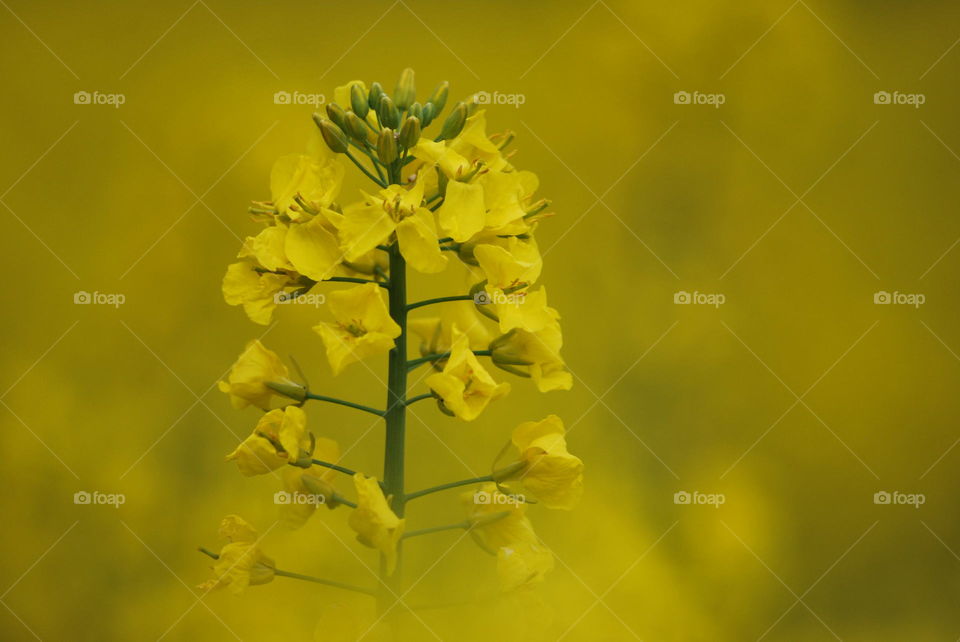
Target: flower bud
column 454, row 123
column 288, row 389
column 317, row 486
column 387, row 146
column 355, row 127
column 373, row 97
column 439, row 97
column 388, row 113
column 332, row 135
column 358, row 100
column 416, row 110
column 429, row 111
column 410, row 132
column 337, row 115
column 406, row 91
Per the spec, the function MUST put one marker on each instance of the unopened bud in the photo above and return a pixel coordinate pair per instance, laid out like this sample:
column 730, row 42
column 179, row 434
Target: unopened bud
column 387, row 146
column 337, row 115
column 356, row 128
column 333, row 136
column 373, row 97
column 453, row 125
column 439, row 97
column 358, row 100
column 406, row 91
column 409, row 133
column 288, row 389
column 388, row 113
column 429, row 112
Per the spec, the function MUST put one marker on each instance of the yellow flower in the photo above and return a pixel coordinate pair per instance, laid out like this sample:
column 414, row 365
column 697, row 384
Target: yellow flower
column 312, row 247
column 268, row 248
column 552, row 475
column 255, row 367
column 524, row 309
column 276, row 441
column 536, row 354
column 363, row 326
column 436, row 333
column 241, row 562
column 376, row 525
column 304, row 487
column 474, row 144
column 316, row 179
column 256, row 292
column 464, row 386
column 500, row 526
column 451, row 163
column 509, row 269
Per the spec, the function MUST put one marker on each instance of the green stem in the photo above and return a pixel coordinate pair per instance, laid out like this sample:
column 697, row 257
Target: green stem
column 351, row 279
column 442, row 299
column 413, row 363
column 306, row 578
column 435, row 529
column 448, row 485
column 395, row 415
column 327, row 464
column 349, row 404
column 413, row 400
column 364, row 169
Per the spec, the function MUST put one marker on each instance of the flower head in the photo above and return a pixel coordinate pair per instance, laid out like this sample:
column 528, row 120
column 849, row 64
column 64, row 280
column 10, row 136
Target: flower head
column 310, row 483
column 464, row 386
column 551, row 474
column 536, row 354
column 375, row 524
column 241, row 562
column 254, row 369
column 276, row 441
column 362, row 326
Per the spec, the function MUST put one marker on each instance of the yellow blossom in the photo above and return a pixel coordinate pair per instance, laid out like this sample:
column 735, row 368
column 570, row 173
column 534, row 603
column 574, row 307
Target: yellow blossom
column 500, row 526
column 362, row 326
column 241, row 562
column 247, row 382
column 276, row 441
column 450, row 162
column 551, row 474
column 312, row 247
column 464, row 386
column 256, row 291
column 375, row 524
column 536, row 354
column 303, row 487
column 436, row 333
column 316, row 178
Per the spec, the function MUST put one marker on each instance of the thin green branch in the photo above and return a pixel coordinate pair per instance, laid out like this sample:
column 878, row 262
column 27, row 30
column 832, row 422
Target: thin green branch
column 306, row 578
column 349, row 404
column 436, row 529
column 336, row 467
column 437, row 356
column 350, row 279
column 448, row 485
column 413, row 400
column 364, row 169
column 442, row 299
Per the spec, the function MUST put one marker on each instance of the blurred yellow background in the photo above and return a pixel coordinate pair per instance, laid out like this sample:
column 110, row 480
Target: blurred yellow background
column 797, row 399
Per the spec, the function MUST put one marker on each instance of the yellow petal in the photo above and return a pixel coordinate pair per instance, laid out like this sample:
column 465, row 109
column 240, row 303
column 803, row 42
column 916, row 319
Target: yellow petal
column 313, row 249
column 462, row 214
column 417, row 235
column 364, row 226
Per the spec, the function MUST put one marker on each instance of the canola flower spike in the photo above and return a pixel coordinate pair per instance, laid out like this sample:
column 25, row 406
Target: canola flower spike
column 447, row 195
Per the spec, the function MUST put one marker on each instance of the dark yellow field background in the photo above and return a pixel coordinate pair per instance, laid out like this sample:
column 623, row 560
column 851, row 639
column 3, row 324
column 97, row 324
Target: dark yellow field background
column 799, row 398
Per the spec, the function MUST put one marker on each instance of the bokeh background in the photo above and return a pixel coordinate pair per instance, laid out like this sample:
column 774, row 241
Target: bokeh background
column 797, row 399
